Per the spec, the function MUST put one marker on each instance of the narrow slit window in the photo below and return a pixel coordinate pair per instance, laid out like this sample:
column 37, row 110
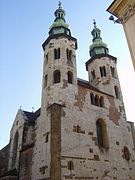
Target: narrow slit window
column 102, row 71
column 101, row 101
column 69, row 56
column 70, row 77
column 47, row 138
column 116, row 92
column 46, row 58
column 56, row 76
column 57, row 53
column 45, row 81
column 70, row 165
column 93, row 74
column 112, row 71
column 92, row 98
column 97, row 103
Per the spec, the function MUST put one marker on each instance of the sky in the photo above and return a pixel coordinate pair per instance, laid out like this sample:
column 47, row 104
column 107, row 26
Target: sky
column 24, row 27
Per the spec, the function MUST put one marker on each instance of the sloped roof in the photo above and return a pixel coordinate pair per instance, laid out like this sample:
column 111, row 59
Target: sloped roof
column 32, row 116
column 86, row 84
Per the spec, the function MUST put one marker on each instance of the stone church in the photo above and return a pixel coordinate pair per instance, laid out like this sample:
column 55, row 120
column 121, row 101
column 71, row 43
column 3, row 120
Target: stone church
column 80, row 132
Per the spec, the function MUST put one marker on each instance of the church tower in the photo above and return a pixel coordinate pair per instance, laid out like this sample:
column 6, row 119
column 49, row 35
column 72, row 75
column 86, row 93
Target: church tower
column 101, row 66
column 59, row 71
column 59, row 88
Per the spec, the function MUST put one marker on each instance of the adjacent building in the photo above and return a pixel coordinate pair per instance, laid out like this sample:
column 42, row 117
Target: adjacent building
column 124, row 10
column 80, row 131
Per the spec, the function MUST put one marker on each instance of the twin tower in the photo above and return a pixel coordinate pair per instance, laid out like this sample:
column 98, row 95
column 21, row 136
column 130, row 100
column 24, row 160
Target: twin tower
column 59, row 73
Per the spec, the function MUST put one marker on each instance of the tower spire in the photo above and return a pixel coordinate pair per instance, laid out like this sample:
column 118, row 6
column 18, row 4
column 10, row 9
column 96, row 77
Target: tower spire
column 59, row 26
column 98, row 46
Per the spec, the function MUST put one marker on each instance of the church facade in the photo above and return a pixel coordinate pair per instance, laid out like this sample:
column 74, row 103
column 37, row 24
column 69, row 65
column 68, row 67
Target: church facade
column 80, row 131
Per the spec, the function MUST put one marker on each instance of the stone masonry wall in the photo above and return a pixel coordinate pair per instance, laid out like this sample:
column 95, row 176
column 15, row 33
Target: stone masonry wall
column 79, row 140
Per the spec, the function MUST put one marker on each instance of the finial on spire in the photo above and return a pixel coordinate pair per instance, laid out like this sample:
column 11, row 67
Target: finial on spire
column 59, row 4
column 94, row 22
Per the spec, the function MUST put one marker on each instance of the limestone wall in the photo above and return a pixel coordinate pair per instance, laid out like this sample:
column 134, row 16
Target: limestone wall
column 129, row 28
column 16, row 132
column 80, row 145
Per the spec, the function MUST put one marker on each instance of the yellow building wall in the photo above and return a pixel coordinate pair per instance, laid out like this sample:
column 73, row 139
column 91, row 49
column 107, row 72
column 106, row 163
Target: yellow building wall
column 124, row 10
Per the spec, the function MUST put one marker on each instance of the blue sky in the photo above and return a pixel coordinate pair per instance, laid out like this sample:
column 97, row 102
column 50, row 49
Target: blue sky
column 24, row 27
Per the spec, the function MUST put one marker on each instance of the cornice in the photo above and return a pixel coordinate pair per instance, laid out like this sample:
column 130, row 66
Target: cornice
column 129, row 11
column 123, row 9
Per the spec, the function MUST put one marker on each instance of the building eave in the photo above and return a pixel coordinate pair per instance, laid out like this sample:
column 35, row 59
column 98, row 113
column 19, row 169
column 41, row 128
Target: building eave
column 117, row 7
column 99, row 56
column 55, row 36
column 87, row 85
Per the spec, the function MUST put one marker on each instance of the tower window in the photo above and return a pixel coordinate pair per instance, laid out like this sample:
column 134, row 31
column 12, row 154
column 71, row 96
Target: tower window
column 92, row 98
column 47, row 137
column 102, row 136
column 97, row 103
column 101, row 101
column 93, row 74
column 58, row 15
column 96, row 34
column 45, row 81
column 70, row 77
column 97, row 100
column 56, row 76
column 70, row 165
column 112, row 71
column 126, row 153
column 117, row 94
column 46, row 58
column 103, row 71
column 69, row 56
column 57, row 53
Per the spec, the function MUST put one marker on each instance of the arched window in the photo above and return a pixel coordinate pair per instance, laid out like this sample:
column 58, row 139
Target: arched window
column 57, row 53
column 56, row 76
column 69, row 54
column 93, row 74
column 92, row 98
column 15, row 147
column 46, row 58
column 126, row 153
column 116, row 92
column 45, row 81
column 70, row 165
column 102, row 136
column 70, row 77
column 47, row 137
column 112, row 71
column 102, row 71
column 97, row 103
column 101, row 101
column 58, row 15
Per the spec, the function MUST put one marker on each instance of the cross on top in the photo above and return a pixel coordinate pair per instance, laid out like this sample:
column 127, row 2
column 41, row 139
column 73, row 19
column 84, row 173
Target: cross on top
column 59, row 4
